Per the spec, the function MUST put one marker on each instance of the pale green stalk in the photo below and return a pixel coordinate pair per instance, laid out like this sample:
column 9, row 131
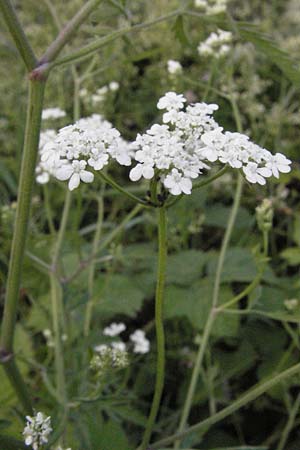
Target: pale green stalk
column 290, row 424
column 123, row 191
column 91, row 273
column 93, row 47
column 211, row 317
column 246, row 398
column 160, row 337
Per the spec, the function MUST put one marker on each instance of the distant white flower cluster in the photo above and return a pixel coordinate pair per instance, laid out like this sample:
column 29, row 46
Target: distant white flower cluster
column 141, row 343
column 53, row 113
column 192, row 139
column 90, row 142
column 101, row 93
column 114, row 355
column 37, row 430
column 216, row 45
column 211, row 7
column 174, row 67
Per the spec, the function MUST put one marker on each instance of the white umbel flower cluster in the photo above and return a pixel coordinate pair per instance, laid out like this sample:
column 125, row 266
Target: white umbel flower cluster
column 140, row 342
column 90, row 142
column 211, row 7
column 53, row 113
column 174, row 67
column 192, row 139
column 109, row 356
column 237, row 151
column 216, row 45
column 37, row 430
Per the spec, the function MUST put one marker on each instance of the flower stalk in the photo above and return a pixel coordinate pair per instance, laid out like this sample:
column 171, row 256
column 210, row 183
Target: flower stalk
column 160, row 337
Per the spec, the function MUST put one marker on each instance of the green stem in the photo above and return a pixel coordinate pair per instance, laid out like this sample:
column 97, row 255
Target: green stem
column 211, row 317
column 246, row 398
column 290, row 423
column 160, row 369
column 91, row 274
column 89, row 49
column 119, row 188
column 48, row 210
column 18, row 34
column 27, row 173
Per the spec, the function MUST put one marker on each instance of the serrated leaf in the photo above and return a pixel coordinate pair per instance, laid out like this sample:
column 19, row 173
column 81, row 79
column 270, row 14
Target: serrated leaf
column 266, row 45
column 180, row 31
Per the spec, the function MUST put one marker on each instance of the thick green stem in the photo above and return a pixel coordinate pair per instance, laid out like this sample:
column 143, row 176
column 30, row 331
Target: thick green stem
column 18, row 34
column 30, row 150
column 246, row 398
column 160, row 337
column 212, row 313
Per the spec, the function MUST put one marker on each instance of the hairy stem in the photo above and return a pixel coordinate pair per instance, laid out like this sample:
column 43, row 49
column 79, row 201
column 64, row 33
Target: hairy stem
column 160, row 337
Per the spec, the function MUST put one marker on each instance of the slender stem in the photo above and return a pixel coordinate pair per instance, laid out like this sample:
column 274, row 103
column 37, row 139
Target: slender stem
column 18, row 34
column 242, row 294
column 211, row 317
column 91, row 274
column 94, row 46
column 290, row 423
column 119, row 188
column 106, row 241
column 160, row 337
column 246, row 398
column 36, row 93
column 62, row 230
column 68, row 31
column 48, row 210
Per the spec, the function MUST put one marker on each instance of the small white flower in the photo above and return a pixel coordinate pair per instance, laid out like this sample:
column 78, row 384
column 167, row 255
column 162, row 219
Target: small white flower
column 113, row 86
column 177, row 184
column 114, row 329
column 171, row 100
column 174, row 67
column 37, row 430
column 75, row 172
column 254, row 174
column 141, row 170
column 141, row 343
column 278, row 163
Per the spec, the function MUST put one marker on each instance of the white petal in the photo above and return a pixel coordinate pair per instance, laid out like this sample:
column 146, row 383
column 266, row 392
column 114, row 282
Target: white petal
column 74, row 181
column 86, row 176
column 148, row 172
column 64, row 173
column 136, row 173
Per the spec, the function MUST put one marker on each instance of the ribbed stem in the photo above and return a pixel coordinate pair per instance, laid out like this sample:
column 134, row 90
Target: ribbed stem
column 160, row 337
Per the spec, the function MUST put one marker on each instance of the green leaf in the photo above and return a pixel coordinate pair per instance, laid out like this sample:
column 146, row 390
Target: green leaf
column 239, row 265
column 195, row 303
column 266, row 45
column 291, row 255
column 185, row 267
column 117, row 294
column 180, row 31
